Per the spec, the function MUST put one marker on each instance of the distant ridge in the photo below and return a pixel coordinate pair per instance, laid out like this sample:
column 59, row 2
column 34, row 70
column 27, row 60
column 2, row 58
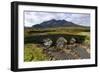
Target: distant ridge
column 56, row 23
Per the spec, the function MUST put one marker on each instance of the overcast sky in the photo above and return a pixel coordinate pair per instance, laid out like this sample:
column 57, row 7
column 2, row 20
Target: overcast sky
column 33, row 17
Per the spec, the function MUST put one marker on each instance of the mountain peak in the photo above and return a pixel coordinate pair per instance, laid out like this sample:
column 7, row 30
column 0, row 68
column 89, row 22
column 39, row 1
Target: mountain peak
column 55, row 23
column 52, row 20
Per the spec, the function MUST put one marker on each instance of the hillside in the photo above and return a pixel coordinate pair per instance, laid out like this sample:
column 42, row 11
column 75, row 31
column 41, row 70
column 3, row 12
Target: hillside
column 56, row 23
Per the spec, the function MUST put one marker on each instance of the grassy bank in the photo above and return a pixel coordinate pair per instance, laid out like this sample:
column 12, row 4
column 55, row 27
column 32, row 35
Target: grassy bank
column 34, row 37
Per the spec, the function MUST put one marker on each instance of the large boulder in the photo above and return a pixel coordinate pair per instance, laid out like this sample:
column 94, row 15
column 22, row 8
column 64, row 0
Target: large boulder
column 47, row 42
column 72, row 41
column 60, row 43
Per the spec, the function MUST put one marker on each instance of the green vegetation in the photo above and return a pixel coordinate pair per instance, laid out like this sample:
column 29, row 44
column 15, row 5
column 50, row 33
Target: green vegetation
column 37, row 35
column 34, row 37
column 87, row 38
column 58, row 30
column 34, row 53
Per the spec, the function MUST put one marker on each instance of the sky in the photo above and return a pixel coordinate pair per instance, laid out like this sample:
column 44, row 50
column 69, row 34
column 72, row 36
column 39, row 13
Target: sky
column 33, row 17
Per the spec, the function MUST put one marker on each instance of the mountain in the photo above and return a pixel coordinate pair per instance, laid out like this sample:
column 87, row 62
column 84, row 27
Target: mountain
column 56, row 23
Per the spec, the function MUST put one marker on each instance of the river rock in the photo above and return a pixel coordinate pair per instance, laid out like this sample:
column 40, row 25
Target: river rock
column 47, row 42
column 60, row 43
column 72, row 41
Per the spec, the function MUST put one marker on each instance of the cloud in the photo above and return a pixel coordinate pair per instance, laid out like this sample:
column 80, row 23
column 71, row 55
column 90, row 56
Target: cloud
column 82, row 19
column 32, row 18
